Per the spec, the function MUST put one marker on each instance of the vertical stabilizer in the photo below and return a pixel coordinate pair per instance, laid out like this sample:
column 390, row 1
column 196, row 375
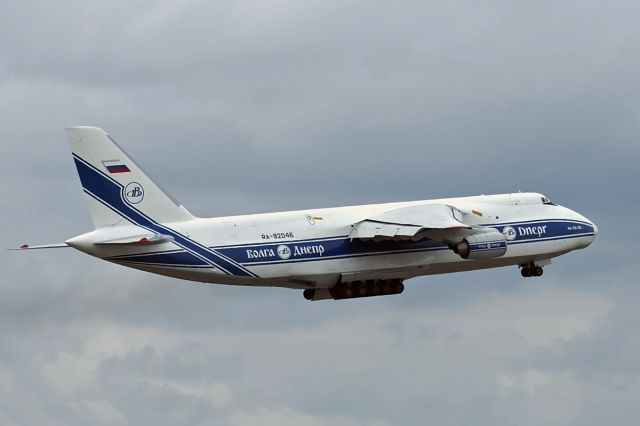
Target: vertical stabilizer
column 118, row 191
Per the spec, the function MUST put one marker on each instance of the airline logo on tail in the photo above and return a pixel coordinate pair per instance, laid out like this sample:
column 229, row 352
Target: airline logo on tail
column 134, row 193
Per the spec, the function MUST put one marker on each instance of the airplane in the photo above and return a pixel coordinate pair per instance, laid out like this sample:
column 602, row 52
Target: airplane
column 329, row 253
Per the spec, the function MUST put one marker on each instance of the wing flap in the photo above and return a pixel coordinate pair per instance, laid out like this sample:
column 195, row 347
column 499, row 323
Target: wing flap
column 430, row 216
column 389, row 230
column 408, row 231
column 407, row 222
column 365, row 229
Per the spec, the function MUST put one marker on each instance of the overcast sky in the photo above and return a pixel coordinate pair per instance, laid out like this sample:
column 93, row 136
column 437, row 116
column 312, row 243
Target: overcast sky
column 254, row 106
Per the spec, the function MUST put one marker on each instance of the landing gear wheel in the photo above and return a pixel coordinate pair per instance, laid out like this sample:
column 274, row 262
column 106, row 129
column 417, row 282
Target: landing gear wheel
column 309, row 293
column 363, row 289
column 531, row 270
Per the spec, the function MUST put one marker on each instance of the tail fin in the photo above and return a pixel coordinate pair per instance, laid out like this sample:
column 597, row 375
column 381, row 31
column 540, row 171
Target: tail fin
column 118, row 191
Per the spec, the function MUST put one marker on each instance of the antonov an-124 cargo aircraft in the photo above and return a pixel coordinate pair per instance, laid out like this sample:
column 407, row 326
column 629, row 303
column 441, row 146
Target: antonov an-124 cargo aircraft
column 332, row 253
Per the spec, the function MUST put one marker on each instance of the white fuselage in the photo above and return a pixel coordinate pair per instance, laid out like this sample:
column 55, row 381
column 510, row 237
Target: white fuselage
column 312, row 249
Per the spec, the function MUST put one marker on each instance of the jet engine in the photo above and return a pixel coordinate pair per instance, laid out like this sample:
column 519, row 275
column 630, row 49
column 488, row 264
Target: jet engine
column 484, row 245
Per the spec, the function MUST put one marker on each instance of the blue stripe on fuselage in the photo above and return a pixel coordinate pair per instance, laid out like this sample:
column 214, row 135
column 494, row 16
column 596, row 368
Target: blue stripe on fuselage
column 108, row 191
column 261, row 254
column 542, row 229
column 286, row 252
column 341, row 247
column 174, row 257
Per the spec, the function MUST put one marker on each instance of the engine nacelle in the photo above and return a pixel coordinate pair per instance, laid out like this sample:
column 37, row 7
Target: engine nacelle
column 485, row 245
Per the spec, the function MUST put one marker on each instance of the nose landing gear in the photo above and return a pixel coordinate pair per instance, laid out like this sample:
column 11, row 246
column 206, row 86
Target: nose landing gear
column 531, row 270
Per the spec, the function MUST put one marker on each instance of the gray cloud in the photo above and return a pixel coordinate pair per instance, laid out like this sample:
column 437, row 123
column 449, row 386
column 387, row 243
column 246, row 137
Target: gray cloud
column 241, row 107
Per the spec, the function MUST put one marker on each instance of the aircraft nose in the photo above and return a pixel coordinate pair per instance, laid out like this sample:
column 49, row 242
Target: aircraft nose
column 590, row 222
column 595, row 231
column 594, row 227
column 585, row 240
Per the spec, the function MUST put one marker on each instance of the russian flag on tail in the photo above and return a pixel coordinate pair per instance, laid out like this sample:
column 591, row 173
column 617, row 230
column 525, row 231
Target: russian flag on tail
column 116, row 166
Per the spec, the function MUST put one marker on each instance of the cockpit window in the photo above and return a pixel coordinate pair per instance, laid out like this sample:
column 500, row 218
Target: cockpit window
column 547, row 201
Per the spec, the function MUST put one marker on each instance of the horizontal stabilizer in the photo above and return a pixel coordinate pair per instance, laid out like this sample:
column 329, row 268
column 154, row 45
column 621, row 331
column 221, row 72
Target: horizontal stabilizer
column 43, row 246
column 145, row 239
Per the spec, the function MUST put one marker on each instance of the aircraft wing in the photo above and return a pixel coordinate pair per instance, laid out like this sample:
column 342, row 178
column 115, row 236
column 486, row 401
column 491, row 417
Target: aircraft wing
column 410, row 223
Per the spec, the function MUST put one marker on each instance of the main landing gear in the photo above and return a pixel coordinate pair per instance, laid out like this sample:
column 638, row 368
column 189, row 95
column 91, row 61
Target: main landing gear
column 531, row 270
column 354, row 289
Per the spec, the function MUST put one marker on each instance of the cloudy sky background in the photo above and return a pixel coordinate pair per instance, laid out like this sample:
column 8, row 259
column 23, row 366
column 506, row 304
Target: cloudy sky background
column 255, row 106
